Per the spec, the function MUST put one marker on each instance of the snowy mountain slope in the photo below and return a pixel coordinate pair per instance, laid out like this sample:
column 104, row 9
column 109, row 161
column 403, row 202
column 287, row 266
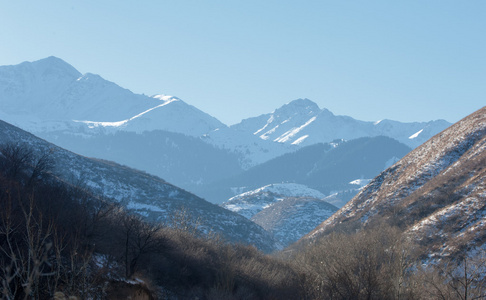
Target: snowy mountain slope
column 50, row 98
column 327, row 168
column 252, row 202
column 37, row 95
column 147, row 195
column 302, row 122
column 169, row 114
column 25, row 86
column 436, row 193
column 97, row 118
column 182, row 160
column 288, row 210
column 293, row 217
column 251, row 149
column 340, row 198
column 90, row 115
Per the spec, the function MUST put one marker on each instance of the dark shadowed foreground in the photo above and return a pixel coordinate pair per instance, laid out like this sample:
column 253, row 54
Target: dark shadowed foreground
column 59, row 240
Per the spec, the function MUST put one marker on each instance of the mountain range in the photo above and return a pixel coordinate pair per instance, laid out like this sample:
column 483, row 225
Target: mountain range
column 302, row 122
column 53, row 100
column 50, row 94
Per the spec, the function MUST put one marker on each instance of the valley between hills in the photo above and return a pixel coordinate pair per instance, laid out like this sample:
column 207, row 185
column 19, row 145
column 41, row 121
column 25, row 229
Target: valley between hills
column 107, row 194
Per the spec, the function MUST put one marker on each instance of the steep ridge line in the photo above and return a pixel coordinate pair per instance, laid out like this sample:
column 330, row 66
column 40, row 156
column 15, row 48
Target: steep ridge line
column 437, row 192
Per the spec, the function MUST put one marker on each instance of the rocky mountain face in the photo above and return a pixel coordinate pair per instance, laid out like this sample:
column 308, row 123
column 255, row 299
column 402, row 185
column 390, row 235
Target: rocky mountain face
column 287, row 210
column 293, row 217
column 141, row 193
column 436, row 193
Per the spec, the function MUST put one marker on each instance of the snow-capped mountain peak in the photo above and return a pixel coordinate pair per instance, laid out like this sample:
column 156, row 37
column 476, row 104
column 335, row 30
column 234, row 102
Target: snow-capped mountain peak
column 297, row 107
column 50, row 94
column 52, row 65
column 301, row 122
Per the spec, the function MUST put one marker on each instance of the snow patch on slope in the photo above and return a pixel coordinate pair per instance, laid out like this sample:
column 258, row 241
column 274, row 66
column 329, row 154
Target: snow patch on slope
column 360, row 182
column 93, row 124
column 415, row 135
column 250, row 203
column 293, row 132
column 300, row 140
column 286, row 189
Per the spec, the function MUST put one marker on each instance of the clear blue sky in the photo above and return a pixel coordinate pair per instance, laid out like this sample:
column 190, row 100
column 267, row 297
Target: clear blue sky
column 403, row 60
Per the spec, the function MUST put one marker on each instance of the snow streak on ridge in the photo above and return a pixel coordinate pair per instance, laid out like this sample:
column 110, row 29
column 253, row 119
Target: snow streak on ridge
column 93, row 124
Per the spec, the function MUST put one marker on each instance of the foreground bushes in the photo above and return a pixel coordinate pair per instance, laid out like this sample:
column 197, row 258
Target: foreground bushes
column 383, row 263
column 371, row 264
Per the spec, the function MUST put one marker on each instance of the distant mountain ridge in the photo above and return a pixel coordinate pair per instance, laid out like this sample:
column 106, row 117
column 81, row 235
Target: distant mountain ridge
column 302, row 122
column 52, row 90
column 182, row 160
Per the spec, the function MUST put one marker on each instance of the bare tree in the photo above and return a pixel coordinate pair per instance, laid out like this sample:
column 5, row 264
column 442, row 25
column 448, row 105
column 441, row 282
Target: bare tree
column 463, row 278
column 16, row 159
column 20, row 158
column 140, row 239
column 25, row 253
column 40, row 166
column 182, row 221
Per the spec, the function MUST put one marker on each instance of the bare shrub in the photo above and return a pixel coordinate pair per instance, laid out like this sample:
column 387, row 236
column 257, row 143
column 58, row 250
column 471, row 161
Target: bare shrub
column 25, row 250
column 19, row 159
column 370, row 264
column 461, row 278
column 139, row 240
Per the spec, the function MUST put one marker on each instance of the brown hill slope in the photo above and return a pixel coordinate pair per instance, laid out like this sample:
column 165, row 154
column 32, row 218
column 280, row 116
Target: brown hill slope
column 437, row 192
